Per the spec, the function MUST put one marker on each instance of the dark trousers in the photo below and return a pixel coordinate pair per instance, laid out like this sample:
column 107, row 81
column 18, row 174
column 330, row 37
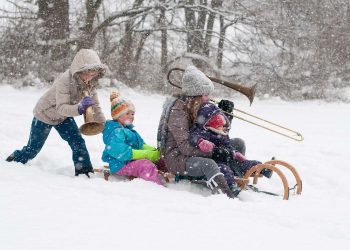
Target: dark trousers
column 229, row 168
column 238, row 144
column 68, row 130
column 228, row 174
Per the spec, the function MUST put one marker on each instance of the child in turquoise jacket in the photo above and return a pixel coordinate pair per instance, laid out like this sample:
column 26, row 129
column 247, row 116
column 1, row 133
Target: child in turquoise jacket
column 125, row 151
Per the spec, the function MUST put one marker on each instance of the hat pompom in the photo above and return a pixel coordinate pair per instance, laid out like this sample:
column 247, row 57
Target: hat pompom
column 114, row 95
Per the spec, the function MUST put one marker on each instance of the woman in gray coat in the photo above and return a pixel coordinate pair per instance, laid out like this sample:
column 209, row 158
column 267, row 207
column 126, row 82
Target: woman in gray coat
column 179, row 114
column 57, row 107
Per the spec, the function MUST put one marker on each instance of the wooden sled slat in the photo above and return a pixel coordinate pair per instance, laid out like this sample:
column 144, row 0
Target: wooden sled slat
column 255, row 171
column 293, row 170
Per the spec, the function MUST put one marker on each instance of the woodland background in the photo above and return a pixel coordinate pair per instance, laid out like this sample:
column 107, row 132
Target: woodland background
column 294, row 49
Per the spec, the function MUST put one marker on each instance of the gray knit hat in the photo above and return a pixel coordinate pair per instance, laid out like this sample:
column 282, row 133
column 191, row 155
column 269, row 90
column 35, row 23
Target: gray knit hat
column 196, row 83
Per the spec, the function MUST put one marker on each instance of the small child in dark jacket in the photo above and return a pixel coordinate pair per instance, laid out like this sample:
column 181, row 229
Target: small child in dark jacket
column 125, row 151
column 210, row 133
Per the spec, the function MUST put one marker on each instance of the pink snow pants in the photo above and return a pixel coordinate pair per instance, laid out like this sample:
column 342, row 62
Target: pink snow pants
column 144, row 169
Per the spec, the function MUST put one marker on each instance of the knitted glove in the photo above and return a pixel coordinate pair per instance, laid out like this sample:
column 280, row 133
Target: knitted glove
column 226, row 106
column 238, row 156
column 205, row 145
column 148, row 147
column 152, row 155
column 84, row 104
column 221, row 154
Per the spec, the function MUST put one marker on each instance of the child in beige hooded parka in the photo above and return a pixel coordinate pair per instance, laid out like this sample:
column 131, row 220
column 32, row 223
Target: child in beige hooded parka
column 57, row 107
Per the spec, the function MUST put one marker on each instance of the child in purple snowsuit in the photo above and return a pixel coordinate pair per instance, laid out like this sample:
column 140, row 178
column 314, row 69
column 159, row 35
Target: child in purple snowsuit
column 211, row 131
column 125, row 150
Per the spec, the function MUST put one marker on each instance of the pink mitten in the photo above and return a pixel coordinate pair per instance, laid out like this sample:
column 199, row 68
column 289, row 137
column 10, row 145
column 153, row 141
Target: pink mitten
column 238, row 156
column 205, row 146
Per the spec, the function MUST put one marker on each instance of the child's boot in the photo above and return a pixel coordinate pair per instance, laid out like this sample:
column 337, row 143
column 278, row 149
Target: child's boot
column 266, row 172
column 248, row 164
column 10, row 157
column 235, row 189
column 218, row 181
column 84, row 170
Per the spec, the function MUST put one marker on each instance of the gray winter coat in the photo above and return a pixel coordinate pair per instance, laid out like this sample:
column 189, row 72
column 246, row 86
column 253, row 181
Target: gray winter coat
column 62, row 99
column 177, row 145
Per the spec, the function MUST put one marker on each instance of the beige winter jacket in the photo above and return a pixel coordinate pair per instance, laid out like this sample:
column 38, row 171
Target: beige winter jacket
column 62, row 99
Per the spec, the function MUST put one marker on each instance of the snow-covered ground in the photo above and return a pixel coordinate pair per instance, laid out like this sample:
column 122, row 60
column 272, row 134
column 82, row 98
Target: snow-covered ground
column 43, row 206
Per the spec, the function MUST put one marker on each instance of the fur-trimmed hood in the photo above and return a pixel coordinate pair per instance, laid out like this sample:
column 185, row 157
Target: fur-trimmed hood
column 87, row 59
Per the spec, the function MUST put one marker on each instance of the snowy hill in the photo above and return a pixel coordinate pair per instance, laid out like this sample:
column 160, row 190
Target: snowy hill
column 43, row 206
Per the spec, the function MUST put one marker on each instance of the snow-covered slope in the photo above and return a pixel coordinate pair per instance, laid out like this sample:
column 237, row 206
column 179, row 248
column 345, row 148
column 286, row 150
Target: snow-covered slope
column 43, row 206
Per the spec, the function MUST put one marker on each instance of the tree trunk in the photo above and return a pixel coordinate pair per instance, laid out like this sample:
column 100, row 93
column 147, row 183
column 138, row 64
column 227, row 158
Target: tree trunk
column 127, row 50
column 210, row 24
column 190, row 26
column 87, row 38
column 55, row 16
column 135, row 65
column 221, row 43
column 164, row 41
column 198, row 41
column 195, row 28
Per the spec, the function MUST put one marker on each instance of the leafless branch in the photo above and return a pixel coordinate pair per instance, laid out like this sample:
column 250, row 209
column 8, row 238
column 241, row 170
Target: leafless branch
column 20, row 7
column 109, row 20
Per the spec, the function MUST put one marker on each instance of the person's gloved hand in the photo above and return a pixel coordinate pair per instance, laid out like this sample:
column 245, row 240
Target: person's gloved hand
column 152, row 155
column 238, row 156
column 84, row 104
column 205, row 145
column 226, row 105
column 221, row 154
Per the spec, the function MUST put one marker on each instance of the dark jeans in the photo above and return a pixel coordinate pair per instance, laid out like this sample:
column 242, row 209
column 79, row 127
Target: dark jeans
column 68, row 130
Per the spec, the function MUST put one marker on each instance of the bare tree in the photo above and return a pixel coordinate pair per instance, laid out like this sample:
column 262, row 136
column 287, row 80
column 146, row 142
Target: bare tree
column 215, row 4
column 164, row 39
column 55, row 21
column 292, row 48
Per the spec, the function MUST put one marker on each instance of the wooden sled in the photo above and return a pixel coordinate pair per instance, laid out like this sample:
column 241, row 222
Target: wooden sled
column 254, row 173
column 274, row 166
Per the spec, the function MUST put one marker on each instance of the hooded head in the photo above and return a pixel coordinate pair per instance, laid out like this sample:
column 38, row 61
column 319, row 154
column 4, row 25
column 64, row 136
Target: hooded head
column 86, row 60
column 210, row 116
column 196, row 83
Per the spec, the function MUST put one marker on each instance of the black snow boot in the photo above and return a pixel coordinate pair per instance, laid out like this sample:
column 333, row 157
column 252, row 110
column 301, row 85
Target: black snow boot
column 10, row 157
column 84, row 170
column 218, row 181
column 266, row 172
column 235, row 189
